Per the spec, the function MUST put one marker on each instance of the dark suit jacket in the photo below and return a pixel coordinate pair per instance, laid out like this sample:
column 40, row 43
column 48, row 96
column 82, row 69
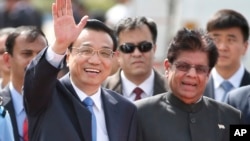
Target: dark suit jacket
column 114, row 83
column 209, row 91
column 165, row 118
column 240, row 99
column 8, row 104
column 55, row 112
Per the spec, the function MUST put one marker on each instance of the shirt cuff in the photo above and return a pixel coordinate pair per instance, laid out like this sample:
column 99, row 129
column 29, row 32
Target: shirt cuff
column 53, row 58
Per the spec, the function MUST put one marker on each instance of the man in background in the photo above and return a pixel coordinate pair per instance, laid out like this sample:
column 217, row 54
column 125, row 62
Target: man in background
column 230, row 31
column 4, row 69
column 136, row 77
column 22, row 46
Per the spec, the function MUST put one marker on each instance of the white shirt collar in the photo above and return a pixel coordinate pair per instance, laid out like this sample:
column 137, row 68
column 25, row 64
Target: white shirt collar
column 235, row 79
column 147, row 86
column 95, row 97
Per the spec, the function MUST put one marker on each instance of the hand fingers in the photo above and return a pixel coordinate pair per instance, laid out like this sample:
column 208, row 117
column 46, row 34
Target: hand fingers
column 54, row 11
column 62, row 7
column 69, row 7
column 83, row 22
column 59, row 6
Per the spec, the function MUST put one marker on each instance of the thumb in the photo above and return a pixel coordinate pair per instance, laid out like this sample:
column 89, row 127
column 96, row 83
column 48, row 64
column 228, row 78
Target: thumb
column 83, row 22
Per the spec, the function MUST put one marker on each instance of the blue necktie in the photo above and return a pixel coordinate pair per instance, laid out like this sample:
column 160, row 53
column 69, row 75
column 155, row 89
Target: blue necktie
column 227, row 86
column 88, row 102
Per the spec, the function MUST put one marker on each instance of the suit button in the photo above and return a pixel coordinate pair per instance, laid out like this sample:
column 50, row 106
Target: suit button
column 193, row 120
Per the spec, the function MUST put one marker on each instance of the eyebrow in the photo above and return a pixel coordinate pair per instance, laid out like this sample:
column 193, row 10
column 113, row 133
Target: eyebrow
column 228, row 35
column 89, row 45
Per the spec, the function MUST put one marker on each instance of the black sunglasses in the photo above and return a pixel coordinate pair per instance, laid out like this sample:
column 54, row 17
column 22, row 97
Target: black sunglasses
column 129, row 47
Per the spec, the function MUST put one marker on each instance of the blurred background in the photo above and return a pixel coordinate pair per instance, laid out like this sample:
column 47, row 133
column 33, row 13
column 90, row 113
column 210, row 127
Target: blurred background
column 170, row 15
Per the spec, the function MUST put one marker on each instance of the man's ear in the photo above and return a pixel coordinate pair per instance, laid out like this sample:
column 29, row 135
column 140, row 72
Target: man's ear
column 167, row 64
column 6, row 59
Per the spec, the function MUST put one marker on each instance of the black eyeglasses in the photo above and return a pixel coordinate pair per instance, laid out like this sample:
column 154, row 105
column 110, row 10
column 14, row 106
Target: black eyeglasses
column 185, row 67
column 129, row 47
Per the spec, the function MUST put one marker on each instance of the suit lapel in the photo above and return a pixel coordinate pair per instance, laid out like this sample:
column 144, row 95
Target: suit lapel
column 209, row 91
column 83, row 116
column 111, row 114
column 8, row 103
column 246, row 79
column 159, row 84
column 115, row 83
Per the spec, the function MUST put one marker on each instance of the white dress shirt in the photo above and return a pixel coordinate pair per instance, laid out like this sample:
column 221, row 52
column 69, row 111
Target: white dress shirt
column 147, row 86
column 235, row 80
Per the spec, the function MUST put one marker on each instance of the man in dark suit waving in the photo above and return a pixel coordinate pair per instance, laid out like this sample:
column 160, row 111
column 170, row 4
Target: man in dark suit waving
column 54, row 107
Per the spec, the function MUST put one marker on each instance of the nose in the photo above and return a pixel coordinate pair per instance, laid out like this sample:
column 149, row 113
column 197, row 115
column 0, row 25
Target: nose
column 222, row 46
column 192, row 71
column 94, row 58
column 137, row 52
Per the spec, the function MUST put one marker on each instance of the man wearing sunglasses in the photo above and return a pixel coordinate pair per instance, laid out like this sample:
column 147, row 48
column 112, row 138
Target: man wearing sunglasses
column 137, row 78
column 183, row 113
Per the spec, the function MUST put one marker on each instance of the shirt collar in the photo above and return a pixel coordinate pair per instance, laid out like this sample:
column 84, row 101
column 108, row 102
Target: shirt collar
column 146, row 86
column 235, row 79
column 17, row 99
column 95, row 97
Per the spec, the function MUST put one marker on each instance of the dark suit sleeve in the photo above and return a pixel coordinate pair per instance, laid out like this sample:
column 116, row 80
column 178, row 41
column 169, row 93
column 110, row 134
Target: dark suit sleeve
column 40, row 81
column 133, row 128
column 139, row 136
column 239, row 98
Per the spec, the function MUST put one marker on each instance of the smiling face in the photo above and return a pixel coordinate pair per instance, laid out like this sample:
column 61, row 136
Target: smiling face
column 89, row 71
column 187, row 86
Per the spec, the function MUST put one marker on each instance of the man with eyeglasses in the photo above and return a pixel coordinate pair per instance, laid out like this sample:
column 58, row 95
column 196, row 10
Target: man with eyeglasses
column 76, row 107
column 136, row 78
column 183, row 113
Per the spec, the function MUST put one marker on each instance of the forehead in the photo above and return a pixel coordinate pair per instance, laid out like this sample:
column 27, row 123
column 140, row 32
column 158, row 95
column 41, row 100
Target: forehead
column 94, row 37
column 228, row 32
column 193, row 57
column 141, row 33
column 2, row 41
column 22, row 43
column 25, row 39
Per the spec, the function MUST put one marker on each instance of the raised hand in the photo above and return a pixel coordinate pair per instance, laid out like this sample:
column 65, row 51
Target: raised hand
column 65, row 28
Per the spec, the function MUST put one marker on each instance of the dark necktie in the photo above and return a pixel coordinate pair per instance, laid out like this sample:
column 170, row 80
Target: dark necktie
column 138, row 91
column 227, row 86
column 25, row 130
column 88, row 102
